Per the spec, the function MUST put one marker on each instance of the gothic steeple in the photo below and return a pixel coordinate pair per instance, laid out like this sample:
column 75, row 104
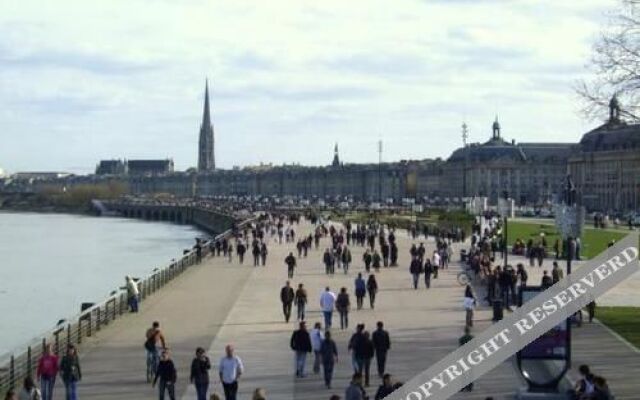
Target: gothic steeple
column 336, row 159
column 206, row 157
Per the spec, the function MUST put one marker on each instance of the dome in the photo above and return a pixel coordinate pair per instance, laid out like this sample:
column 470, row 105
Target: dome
column 489, row 151
column 612, row 136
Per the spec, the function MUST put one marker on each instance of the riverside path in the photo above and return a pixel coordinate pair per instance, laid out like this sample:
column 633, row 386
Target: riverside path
column 219, row 302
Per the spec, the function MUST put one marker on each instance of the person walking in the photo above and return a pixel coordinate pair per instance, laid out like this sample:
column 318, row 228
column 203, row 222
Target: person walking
column 361, row 290
column 29, row 390
column 356, row 347
column 327, row 303
column 556, row 273
column 328, row 260
column 415, row 269
column 372, row 289
column 301, row 301
column 367, row 354
column 428, row 271
column 241, row 248
column 263, row 253
column 286, row 297
column 47, row 371
column 301, row 344
column 355, row 391
column 255, row 251
column 342, row 305
column 591, row 310
column 435, row 263
column 167, row 376
column 230, row 370
column 316, row 344
column 367, row 258
column 346, row 259
column 230, row 252
column 290, row 260
column 70, row 372
column 376, row 260
column 329, row 353
column 464, row 339
column 385, row 389
column 199, row 377
column 382, row 345
column 469, row 304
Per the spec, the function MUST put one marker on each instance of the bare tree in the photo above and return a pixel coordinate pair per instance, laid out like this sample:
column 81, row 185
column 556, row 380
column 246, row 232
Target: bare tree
column 616, row 66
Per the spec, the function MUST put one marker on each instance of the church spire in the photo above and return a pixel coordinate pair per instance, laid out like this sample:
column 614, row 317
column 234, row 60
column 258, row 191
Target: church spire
column 206, row 156
column 206, row 117
column 336, row 159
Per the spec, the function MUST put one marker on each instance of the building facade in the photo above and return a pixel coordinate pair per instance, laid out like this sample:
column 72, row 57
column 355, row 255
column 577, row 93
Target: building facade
column 111, row 167
column 529, row 173
column 149, row 167
column 606, row 165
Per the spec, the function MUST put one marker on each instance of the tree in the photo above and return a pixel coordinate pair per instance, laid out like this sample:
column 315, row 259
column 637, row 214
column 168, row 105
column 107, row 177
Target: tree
column 616, row 66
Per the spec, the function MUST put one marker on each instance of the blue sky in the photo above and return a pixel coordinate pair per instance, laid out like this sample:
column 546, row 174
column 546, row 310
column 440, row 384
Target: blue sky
column 82, row 81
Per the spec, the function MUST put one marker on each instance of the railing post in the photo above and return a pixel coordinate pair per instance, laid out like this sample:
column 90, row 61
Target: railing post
column 29, row 365
column 12, row 372
column 115, row 301
column 57, row 341
column 98, row 319
column 79, row 330
column 89, row 319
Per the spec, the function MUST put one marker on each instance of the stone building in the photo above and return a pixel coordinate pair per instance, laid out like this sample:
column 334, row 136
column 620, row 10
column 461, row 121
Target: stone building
column 111, row 167
column 529, row 173
column 149, row 167
column 606, row 165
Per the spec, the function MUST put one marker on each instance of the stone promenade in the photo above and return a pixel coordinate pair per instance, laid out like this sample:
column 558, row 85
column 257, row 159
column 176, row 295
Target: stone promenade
column 219, row 302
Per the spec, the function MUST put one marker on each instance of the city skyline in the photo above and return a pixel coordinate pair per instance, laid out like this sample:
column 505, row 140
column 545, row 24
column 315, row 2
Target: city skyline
column 287, row 78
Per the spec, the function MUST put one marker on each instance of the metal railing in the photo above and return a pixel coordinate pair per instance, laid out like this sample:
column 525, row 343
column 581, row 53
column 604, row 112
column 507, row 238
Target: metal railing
column 23, row 361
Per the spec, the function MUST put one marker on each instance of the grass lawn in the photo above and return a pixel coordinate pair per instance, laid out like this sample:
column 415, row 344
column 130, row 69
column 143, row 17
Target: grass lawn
column 594, row 241
column 625, row 321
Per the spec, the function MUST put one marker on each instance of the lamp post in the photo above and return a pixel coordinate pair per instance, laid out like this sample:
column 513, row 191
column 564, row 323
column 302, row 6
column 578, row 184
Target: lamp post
column 503, row 209
column 465, row 135
column 380, row 171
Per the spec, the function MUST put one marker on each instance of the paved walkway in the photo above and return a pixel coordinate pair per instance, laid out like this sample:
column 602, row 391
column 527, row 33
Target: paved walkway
column 218, row 303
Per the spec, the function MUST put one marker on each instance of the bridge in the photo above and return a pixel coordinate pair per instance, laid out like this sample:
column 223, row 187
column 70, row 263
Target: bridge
column 205, row 217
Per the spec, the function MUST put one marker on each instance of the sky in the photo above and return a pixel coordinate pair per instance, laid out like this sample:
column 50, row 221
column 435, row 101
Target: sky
column 82, row 81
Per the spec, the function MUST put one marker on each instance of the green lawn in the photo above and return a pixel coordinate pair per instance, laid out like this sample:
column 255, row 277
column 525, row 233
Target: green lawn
column 594, row 241
column 625, row 321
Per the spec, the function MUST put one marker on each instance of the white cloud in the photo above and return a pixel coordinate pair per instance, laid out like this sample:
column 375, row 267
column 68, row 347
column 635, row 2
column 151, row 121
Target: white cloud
column 289, row 78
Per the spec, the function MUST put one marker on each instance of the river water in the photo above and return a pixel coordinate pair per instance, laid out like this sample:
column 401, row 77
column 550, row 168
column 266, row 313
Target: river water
column 51, row 263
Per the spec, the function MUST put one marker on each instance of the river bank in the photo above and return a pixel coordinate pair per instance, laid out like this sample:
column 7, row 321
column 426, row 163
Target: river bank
column 63, row 260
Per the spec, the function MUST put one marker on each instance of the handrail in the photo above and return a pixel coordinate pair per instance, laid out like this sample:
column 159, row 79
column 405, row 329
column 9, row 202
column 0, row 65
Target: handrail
column 22, row 361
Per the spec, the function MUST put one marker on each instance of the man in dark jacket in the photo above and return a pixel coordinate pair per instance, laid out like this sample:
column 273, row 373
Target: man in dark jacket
column 415, row 270
column 200, row 367
column 286, row 297
column 301, row 344
column 381, row 344
column 290, row 260
column 385, row 389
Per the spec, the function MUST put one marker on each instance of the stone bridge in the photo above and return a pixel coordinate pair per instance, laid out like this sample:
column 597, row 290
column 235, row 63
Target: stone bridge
column 210, row 220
